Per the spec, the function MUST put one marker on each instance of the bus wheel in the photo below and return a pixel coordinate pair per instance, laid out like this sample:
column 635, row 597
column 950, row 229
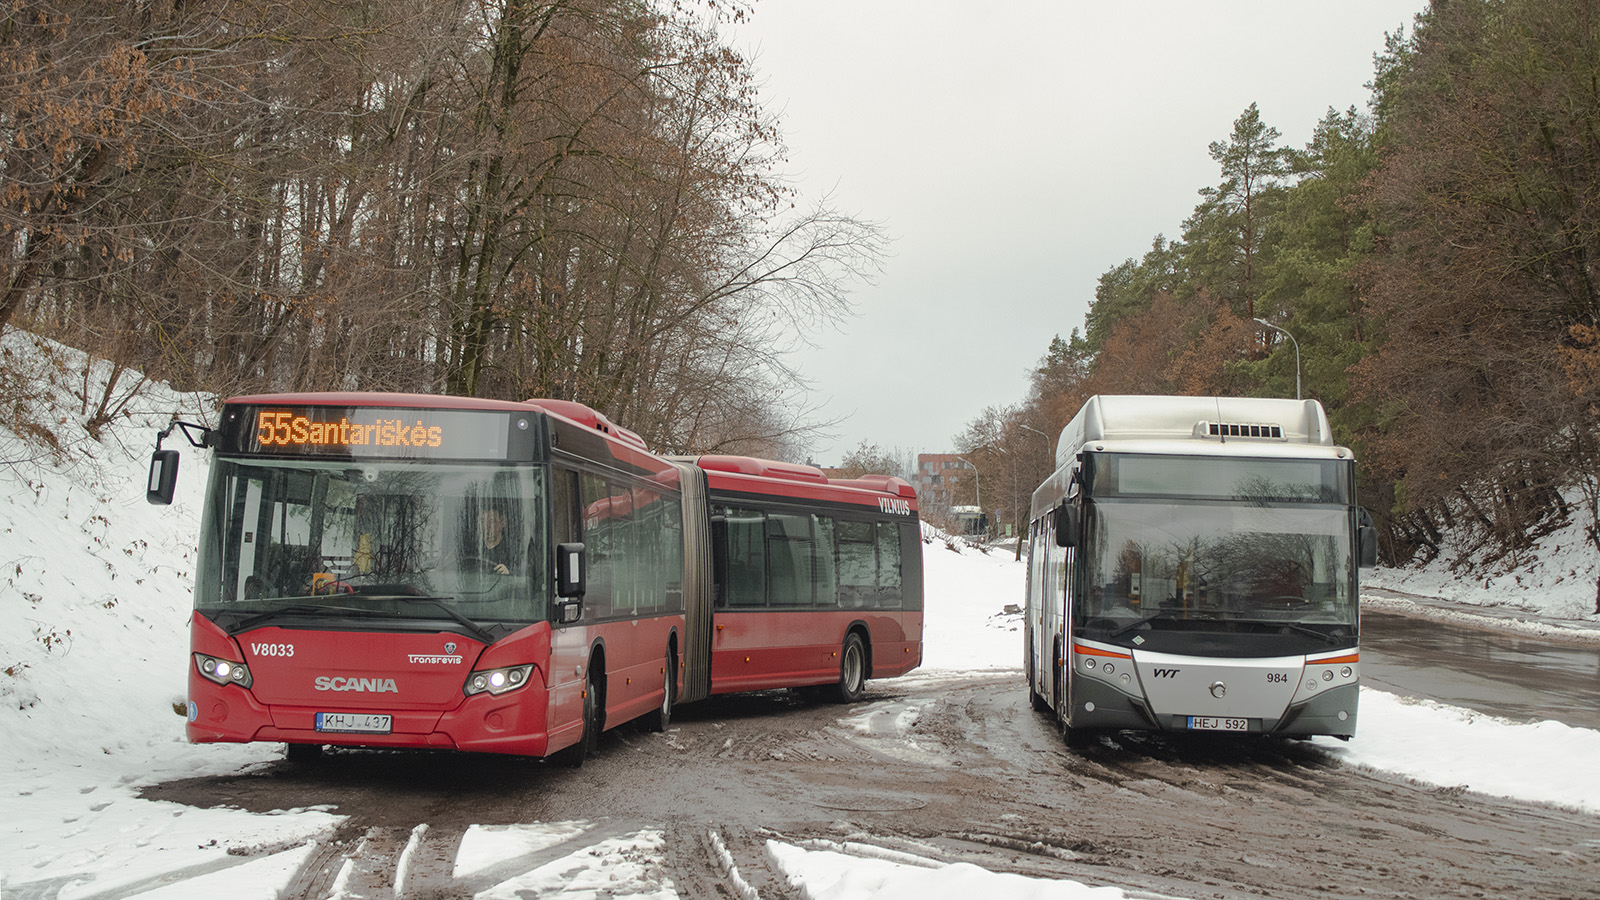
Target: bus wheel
column 1076, row 738
column 301, row 753
column 852, row 670
column 575, row 755
column 661, row 718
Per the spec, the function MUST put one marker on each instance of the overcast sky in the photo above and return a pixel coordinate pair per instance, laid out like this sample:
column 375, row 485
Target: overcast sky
column 1014, row 152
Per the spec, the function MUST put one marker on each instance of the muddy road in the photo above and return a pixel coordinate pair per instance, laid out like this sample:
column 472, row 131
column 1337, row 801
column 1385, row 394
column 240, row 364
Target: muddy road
column 1498, row 672
column 950, row 767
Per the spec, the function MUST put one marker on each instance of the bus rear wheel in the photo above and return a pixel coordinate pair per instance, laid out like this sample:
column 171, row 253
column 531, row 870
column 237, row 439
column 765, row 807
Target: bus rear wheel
column 662, row 717
column 852, row 670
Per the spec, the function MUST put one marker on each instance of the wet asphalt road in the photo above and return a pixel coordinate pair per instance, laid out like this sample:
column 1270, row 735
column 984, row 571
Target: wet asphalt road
column 1518, row 678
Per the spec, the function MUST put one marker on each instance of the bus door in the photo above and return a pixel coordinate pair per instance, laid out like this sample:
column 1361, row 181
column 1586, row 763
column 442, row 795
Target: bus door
column 569, row 644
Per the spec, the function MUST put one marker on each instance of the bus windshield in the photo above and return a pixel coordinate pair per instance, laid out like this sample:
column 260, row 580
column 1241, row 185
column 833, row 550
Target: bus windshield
column 1194, row 576
column 345, row 542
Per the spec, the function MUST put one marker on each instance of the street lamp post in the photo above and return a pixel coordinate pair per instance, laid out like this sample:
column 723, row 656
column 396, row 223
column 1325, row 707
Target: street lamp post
column 1296, row 354
column 977, row 489
column 1049, row 457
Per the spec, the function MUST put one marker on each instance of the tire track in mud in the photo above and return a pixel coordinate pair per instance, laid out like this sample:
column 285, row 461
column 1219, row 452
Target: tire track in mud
column 956, row 769
column 421, row 864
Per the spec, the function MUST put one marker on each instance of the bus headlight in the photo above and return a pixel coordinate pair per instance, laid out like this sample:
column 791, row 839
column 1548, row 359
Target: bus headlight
column 223, row 671
column 497, row 681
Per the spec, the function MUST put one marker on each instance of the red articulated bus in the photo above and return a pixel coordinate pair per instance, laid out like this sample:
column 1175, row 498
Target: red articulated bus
column 400, row 570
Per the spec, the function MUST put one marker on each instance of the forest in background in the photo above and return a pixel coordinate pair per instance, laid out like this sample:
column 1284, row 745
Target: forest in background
column 580, row 199
column 1434, row 259
column 576, row 199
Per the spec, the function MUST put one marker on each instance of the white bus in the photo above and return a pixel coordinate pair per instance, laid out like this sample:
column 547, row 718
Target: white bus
column 1192, row 567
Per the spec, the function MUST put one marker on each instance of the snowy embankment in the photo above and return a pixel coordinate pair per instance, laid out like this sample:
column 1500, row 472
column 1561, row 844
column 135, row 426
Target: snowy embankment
column 1556, row 593
column 94, row 605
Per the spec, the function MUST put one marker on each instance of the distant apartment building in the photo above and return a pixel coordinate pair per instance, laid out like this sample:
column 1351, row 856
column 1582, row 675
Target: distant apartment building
column 944, row 480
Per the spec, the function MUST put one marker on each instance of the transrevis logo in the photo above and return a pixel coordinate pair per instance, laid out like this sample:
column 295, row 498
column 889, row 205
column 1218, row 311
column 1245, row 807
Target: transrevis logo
column 448, row 658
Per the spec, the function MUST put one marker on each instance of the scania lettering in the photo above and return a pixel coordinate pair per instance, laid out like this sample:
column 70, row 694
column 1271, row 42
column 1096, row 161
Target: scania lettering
column 1192, row 565
column 363, row 685
column 400, row 570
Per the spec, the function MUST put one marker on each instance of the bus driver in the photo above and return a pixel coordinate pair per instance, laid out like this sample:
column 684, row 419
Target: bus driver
column 495, row 549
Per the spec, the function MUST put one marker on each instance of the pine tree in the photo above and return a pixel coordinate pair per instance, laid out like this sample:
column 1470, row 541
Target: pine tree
column 1225, row 246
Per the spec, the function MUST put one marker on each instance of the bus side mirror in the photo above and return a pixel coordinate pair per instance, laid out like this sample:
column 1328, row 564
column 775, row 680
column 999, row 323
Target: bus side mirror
column 571, row 576
column 163, row 478
column 1066, row 525
column 1366, row 541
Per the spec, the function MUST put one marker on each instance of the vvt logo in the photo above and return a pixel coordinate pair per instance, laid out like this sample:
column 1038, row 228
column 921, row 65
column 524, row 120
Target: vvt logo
column 1166, row 673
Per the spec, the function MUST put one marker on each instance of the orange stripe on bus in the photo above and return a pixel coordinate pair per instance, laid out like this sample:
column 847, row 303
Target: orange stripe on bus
column 1095, row 651
column 1354, row 657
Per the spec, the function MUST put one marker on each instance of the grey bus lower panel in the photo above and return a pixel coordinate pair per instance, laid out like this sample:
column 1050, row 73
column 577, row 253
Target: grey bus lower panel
column 1097, row 705
column 1102, row 706
column 1333, row 712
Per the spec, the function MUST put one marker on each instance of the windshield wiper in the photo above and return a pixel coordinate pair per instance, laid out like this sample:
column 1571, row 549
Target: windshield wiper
column 308, row 609
column 1330, row 638
column 473, row 628
column 299, row 609
column 1158, row 614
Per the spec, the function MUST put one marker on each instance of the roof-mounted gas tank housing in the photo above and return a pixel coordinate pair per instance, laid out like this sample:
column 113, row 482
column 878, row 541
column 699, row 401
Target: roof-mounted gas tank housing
column 1109, row 418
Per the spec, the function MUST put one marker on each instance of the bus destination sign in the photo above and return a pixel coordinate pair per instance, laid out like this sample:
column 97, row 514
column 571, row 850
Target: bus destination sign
column 372, row 432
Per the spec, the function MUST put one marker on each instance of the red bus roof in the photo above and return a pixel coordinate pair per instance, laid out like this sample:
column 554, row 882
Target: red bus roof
column 749, row 475
column 746, row 474
column 381, row 399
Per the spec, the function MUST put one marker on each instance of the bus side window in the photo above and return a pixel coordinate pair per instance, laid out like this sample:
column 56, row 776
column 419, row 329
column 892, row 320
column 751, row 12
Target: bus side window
column 564, row 507
column 789, row 551
column 746, row 583
column 650, row 590
column 564, row 520
column 889, row 577
column 824, row 577
column 599, row 536
column 624, row 550
column 671, row 538
column 858, row 563
column 911, row 566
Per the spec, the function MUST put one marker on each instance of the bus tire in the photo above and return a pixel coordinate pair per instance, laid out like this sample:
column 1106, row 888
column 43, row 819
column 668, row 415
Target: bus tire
column 302, row 753
column 658, row 720
column 574, row 755
column 852, row 670
column 1077, row 738
column 1058, row 681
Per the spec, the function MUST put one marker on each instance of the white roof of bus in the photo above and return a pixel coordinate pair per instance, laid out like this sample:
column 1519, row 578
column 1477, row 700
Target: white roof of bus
column 1172, row 422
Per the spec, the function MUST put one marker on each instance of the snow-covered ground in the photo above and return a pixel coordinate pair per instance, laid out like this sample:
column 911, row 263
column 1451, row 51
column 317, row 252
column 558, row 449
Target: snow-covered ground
column 94, row 601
